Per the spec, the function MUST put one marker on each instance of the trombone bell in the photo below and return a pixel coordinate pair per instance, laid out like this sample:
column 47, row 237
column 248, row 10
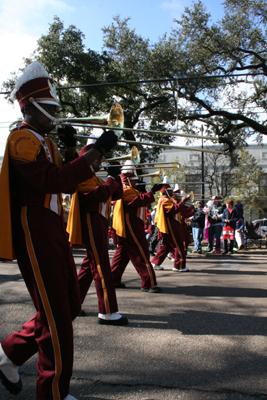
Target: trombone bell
column 159, row 173
column 191, row 200
column 116, row 118
column 133, row 155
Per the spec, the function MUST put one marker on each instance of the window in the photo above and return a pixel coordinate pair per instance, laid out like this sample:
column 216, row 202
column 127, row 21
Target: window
column 194, row 157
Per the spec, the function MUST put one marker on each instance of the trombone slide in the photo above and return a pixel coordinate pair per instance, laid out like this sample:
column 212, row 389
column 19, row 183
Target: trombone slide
column 168, row 146
column 90, row 125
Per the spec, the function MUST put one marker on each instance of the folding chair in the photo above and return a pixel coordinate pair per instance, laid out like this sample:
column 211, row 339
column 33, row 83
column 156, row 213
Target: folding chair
column 252, row 236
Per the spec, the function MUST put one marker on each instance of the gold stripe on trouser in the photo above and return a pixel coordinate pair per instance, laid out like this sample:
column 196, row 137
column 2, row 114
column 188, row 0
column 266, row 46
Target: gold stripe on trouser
column 92, row 241
column 46, row 305
column 141, row 250
column 175, row 242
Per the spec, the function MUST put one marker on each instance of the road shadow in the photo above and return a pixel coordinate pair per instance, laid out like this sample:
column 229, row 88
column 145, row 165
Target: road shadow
column 210, row 323
column 214, row 271
column 202, row 323
column 10, row 278
column 216, row 291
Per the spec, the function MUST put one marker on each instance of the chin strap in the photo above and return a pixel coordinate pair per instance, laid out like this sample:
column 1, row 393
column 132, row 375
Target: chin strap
column 37, row 105
column 167, row 194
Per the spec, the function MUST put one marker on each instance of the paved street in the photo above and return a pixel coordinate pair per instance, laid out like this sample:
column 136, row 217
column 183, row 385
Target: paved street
column 204, row 337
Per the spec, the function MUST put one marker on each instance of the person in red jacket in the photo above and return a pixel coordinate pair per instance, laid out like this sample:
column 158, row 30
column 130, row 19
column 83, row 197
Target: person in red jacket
column 128, row 222
column 88, row 225
column 32, row 179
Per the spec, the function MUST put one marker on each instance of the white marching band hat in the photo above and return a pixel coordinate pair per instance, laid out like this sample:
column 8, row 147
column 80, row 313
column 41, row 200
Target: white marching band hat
column 128, row 171
column 35, row 86
column 176, row 188
column 166, row 180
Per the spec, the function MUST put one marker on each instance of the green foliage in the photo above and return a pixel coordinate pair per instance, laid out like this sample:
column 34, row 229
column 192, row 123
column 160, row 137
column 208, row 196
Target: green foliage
column 236, row 44
column 247, row 181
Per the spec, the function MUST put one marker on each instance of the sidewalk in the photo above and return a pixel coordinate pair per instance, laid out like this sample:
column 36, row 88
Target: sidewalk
column 204, row 337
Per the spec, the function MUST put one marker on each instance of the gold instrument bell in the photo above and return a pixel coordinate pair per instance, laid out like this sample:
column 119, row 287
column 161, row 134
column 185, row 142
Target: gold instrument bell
column 133, row 155
column 191, row 200
column 159, row 173
column 116, row 119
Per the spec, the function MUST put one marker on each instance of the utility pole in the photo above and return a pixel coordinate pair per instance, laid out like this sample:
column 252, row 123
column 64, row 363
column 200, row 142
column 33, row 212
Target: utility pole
column 202, row 170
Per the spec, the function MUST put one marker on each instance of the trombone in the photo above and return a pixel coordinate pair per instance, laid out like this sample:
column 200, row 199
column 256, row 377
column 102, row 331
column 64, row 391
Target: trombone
column 161, row 145
column 115, row 121
column 133, row 155
column 161, row 163
column 191, row 200
column 159, row 174
column 91, row 124
column 168, row 166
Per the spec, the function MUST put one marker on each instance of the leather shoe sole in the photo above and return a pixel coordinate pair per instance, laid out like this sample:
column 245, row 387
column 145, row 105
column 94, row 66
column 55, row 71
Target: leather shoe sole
column 118, row 322
column 13, row 388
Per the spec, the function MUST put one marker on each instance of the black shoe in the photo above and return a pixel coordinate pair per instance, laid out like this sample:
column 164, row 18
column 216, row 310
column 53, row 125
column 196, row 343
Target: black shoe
column 118, row 322
column 82, row 313
column 13, row 388
column 154, row 289
column 119, row 285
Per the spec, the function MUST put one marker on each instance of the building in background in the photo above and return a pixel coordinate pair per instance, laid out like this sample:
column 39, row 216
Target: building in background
column 217, row 171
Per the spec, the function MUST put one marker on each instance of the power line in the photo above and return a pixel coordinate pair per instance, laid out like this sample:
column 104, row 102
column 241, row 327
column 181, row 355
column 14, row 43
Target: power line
column 190, row 78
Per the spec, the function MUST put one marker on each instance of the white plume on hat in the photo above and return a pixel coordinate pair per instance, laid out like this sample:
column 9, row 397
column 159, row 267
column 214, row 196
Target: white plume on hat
column 176, row 187
column 182, row 193
column 166, row 180
column 33, row 71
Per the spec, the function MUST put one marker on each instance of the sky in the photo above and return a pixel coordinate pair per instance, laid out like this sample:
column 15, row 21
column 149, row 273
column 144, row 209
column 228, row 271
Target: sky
column 23, row 23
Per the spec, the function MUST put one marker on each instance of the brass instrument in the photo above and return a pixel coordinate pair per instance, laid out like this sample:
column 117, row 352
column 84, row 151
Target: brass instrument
column 87, row 122
column 114, row 120
column 137, row 168
column 97, row 120
column 191, row 200
column 133, row 155
column 133, row 142
column 159, row 173
column 161, row 163
column 168, row 166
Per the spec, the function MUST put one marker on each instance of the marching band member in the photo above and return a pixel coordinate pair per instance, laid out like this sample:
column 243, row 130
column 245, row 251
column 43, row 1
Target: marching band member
column 32, row 180
column 128, row 221
column 170, row 229
column 88, row 224
column 184, row 214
